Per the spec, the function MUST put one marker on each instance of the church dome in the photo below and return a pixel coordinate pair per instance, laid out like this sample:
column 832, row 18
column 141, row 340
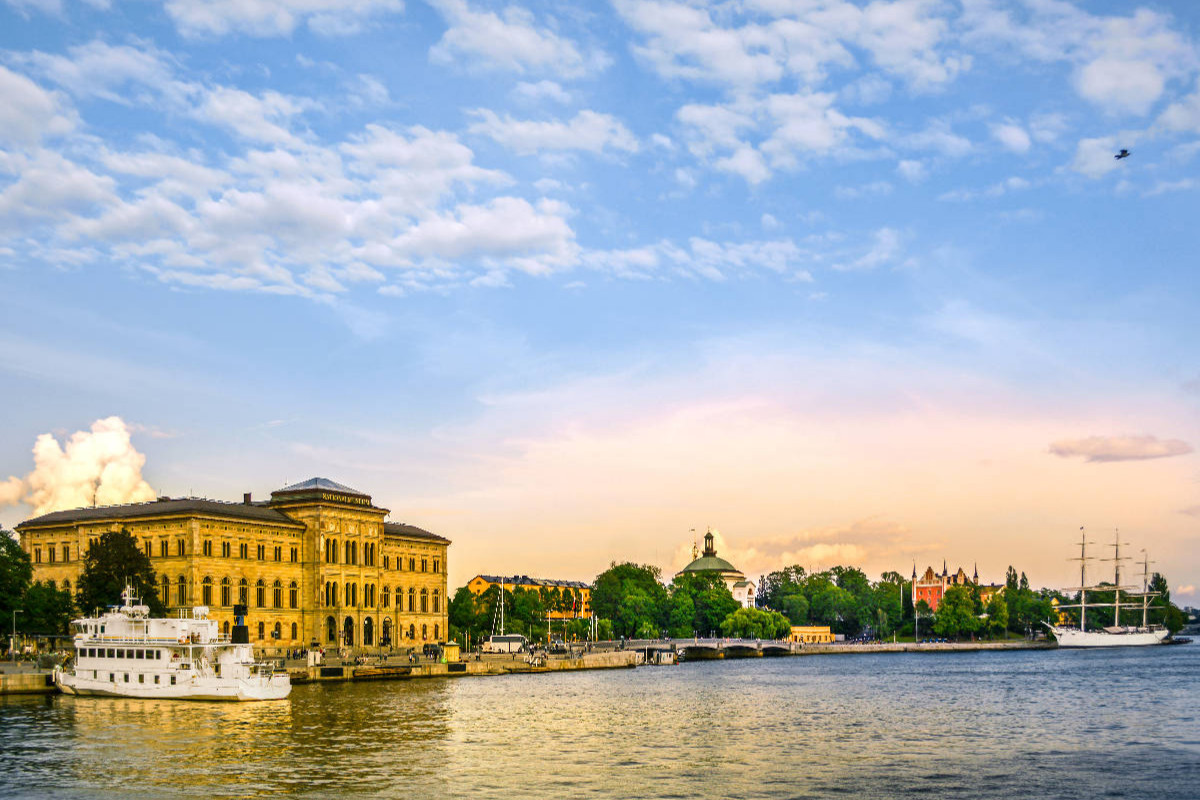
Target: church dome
column 709, row 561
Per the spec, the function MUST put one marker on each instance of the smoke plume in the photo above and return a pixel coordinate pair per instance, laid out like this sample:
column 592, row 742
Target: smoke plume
column 100, row 467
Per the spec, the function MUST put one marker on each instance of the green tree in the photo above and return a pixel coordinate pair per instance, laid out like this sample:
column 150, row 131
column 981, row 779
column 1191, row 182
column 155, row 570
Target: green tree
column 16, row 574
column 682, row 620
column 956, row 613
column 755, row 623
column 997, row 615
column 795, row 608
column 48, row 610
column 110, row 562
column 462, row 615
column 612, row 588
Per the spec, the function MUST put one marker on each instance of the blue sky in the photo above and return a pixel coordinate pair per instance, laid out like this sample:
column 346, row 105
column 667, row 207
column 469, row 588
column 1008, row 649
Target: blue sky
column 845, row 280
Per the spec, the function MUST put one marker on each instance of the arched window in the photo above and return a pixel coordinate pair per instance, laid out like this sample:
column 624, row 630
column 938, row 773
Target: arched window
column 385, row 632
column 206, row 591
column 262, row 630
column 226, row 593
column 437, row 602
column 293, row 631
column 67, row 587
column 225, row 628
column 277, row 595
column 412, row 599
column 424, row 632
column 435, row 633
column 293, row 596
column 330, row 630
column 260, row 594
column 181, row 591
column 412, row 631
column 424, row 601
column 243, row 592
column 166, row 590
column 277, row 634
column 348, row 632
column 387, row 596
column 368, row 632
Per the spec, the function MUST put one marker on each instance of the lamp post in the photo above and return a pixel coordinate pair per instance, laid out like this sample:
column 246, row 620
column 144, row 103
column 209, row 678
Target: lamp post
column 12, row 642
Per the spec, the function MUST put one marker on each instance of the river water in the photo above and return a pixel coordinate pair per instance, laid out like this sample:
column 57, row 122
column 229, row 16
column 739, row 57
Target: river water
column 1036, row 724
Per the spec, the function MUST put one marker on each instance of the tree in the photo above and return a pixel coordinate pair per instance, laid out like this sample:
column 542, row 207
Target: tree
column 16, row 573
column 795, row 608
column 110, row 562
column 997, row 613
column 710, row 599
column 613, row 586
column 956, row 613
column 47, row 609
column 755, row 623
column 462, row 613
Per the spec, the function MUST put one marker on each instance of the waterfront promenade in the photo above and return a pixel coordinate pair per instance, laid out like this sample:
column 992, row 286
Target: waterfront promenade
column 25, row 678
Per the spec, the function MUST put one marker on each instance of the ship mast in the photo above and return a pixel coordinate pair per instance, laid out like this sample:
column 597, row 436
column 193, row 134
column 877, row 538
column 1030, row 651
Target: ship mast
column 1083, row 587
column 1117, row 587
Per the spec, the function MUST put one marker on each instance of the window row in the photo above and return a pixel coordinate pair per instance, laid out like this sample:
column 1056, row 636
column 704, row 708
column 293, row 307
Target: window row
column 227, row 587
column 348, row 553
column 425, row 601
column 261, row 551
column 119, row 652
column 344, row 635
column 52, row 553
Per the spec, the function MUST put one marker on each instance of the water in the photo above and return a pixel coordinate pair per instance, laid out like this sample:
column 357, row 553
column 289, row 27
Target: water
column 1065, row 724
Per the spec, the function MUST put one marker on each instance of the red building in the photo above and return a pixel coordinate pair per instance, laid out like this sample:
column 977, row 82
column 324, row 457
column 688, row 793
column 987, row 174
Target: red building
column 931, row 586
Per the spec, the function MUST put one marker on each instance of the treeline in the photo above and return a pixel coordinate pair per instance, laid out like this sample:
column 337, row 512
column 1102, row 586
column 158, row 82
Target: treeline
column 526, row 611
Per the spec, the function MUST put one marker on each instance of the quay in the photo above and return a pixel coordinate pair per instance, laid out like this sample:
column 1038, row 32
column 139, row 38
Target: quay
column 25, row 679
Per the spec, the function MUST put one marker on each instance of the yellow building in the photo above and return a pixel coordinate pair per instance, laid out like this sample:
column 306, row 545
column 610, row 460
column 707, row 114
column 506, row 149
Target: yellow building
column 576, row 595
column 811, row 634
column 317, row 564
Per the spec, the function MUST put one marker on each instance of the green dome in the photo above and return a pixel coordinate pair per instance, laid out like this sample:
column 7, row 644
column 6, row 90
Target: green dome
column 710, row 564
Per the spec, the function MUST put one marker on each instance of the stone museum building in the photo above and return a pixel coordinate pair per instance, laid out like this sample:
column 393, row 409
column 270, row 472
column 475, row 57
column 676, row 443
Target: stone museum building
column 317, row 564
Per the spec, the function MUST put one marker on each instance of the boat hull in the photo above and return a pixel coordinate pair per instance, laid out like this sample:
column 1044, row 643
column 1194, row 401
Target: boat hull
column 212, row 689
column 1073, row 637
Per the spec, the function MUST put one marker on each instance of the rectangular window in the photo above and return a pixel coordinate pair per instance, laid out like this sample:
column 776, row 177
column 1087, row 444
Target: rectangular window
column 146, row 547
column 37, row 555
column 208, row 547
column 120, row 653
column 162, row 548
column 112, row 678
column 141, row 678
column 172, row 680
column 435, row 565
column 262, row 552
column 412, row 565
column 295, row 554
column 224, row 549
column 51, row 551
column 156, row 679
column 424, row 564
column 387, row 562
column 127, row 677
column 66, row 552
column 181, row 547
column 278, row 553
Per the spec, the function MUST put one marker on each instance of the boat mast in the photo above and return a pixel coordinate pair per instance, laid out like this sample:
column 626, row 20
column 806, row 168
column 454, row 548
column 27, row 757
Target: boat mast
column 1146, row 593
column 1083, row 587
column 1117, row 559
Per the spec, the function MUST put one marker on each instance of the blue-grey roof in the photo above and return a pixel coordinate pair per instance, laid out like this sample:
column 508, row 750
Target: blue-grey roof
column 323, row 484
column 183, row 506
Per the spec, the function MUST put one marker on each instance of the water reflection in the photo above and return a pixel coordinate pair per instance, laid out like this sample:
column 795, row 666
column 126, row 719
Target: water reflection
column 1057, row 725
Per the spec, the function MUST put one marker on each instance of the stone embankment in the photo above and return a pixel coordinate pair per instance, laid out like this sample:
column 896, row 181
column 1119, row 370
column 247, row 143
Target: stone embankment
column 922, row 647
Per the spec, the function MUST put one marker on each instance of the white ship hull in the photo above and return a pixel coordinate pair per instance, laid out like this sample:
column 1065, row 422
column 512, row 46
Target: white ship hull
column 200, row 688
column 1119, row 637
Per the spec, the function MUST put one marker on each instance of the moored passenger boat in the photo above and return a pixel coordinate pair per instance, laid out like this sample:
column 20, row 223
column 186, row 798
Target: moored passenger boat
column 127, row 653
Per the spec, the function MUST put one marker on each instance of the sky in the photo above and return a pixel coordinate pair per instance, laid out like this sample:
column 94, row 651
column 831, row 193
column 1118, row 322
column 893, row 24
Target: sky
column 570, row 283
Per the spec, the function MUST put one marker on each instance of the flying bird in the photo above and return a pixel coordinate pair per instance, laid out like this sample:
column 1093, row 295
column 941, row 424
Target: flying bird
column 1123, row 154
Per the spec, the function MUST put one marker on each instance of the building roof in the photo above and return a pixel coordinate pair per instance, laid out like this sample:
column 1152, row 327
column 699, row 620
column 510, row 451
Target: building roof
column 525, row 580
column 163, row 506
column 323, row 484
column 710, row 564
column 411, row 532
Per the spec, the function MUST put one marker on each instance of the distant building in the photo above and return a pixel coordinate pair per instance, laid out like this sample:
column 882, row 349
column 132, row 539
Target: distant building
column 743, row 590
column 811, row 634
column 932, row 586
column 318, row 564
column 576, row 596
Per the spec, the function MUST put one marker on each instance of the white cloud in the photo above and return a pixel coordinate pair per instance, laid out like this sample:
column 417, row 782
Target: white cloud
column 703, row 258
column 588, row 130
column 1120, row 86
column 939, row 138
column 1094, row 157
column 541, row 90
column 885, row 247
column 746, row 162
column 1119, row 448
column 1183, row 115
column 872, row 189
column 97, row 467
column 911, row 170
column 275, row 17
column 1012, row 136
column 510, row 40
column 29, row 113
column 259, row 118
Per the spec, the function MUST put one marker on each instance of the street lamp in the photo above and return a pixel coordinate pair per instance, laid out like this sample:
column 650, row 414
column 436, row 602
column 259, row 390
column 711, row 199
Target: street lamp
column 12, row 642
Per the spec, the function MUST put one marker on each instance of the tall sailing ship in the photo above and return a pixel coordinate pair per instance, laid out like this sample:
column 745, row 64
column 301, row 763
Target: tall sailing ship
column 1115, row 635
column 127, row 653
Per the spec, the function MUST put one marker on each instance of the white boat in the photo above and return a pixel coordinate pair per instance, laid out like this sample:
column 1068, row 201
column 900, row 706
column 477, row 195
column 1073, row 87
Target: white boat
column 127, row 653
column 1112, row 635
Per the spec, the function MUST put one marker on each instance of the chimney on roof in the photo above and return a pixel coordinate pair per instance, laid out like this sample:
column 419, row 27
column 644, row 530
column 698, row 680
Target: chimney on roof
column 246, row 499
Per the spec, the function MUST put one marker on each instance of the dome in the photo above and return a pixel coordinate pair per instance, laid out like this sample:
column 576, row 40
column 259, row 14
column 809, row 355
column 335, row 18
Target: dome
column 710, row 564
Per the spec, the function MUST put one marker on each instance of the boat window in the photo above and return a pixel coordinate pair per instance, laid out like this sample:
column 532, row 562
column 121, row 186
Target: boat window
column 120, row 653
column 141, row 678
column 112, row 678
column 156, row 679
column 102, row 629
column 111, row 653
column 139, row 653
column 172, row 680
column 127, row 677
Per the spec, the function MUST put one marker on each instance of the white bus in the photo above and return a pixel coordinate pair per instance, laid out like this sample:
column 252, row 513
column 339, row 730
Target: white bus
column 510, row 643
